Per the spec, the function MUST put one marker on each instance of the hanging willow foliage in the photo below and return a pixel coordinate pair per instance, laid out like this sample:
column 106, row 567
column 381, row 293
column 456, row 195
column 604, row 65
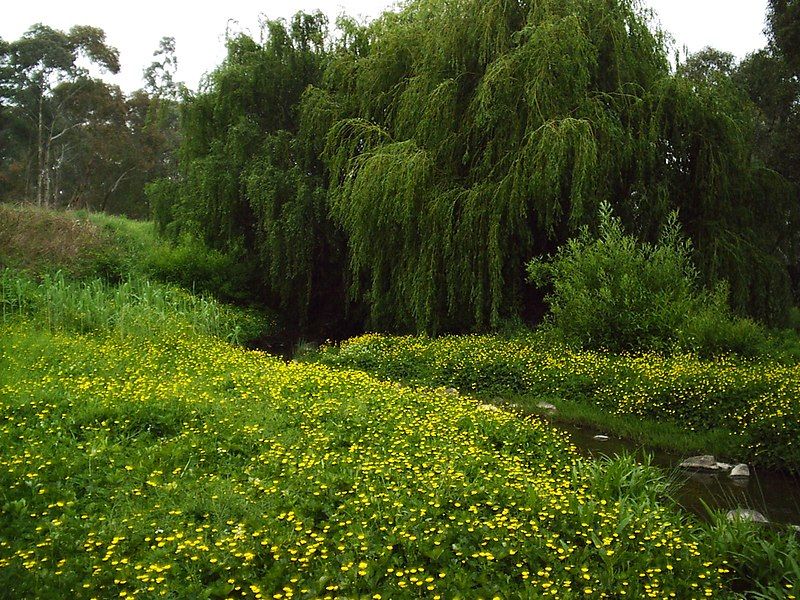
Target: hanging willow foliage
column 478, row 133
column 426, row 157
column 250, row 182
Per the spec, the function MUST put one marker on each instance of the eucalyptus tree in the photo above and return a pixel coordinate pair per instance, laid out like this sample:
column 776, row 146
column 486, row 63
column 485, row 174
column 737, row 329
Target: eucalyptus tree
column 32, row 68
column 783, row 18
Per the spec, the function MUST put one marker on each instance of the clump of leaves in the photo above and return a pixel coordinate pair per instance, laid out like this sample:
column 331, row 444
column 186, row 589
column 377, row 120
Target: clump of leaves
column 615, row 292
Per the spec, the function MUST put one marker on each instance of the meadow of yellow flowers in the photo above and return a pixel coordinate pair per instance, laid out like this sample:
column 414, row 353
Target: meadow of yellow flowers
column 754, row 403
column 177, row 465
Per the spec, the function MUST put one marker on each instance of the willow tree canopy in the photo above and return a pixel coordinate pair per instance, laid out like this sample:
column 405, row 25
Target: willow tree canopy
column 445, row 145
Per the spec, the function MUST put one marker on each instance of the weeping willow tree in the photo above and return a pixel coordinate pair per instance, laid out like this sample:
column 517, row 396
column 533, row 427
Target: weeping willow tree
column 250, row 183
column 422, row 160
column 472, row 135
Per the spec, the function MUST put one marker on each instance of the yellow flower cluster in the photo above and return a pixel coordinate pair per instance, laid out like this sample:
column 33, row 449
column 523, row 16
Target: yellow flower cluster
column 181, row 466
column 758, row 402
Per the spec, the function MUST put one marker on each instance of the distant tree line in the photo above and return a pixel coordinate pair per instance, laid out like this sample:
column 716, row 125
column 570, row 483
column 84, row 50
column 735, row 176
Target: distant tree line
column 69, row 139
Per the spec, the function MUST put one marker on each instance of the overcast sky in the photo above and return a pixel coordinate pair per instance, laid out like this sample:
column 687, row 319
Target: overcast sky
column 199, row 28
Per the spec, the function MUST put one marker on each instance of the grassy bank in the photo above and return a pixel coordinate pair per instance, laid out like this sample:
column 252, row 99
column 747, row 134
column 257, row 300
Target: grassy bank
column 145, row 466
column 135, row 306
column 85, row 245
column 742, row 409
column 161, row 461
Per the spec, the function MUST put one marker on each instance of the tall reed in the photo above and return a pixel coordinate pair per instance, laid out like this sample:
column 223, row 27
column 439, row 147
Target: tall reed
column 134, row 307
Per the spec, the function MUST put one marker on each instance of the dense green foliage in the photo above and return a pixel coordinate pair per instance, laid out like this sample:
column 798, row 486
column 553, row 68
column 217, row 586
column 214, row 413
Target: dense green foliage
column 250, row 184
column 615, row 293
column 420, row 161
column 165, row 462
column 754, row 403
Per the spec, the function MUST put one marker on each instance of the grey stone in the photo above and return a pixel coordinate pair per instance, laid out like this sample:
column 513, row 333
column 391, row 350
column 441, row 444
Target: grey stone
column 601, row 438
column 724, row 466
column 700, row 463
column 740, row 471
column 746, row 514
column 547, row 406
column 451, row 391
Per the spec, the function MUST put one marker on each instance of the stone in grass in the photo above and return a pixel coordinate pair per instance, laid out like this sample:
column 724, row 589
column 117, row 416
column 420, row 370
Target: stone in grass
column 601, row 438
column 746, row 514
column 451, row 391
column 740, row 471
column 547, row 406
column 724, row 466
column 701, row 463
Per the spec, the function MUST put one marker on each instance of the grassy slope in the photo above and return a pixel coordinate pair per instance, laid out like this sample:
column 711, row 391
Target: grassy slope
column 181, row 463
column 37, row 240
column 92, row 264
column 744, row 410
column 86, row 245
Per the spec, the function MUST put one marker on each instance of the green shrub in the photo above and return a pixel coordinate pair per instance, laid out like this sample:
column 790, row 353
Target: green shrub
column 711, row 331
column 192, row 265
column 617, row 293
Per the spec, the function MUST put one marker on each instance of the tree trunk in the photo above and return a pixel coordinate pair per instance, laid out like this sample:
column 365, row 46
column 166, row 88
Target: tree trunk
column 40, row 151
column 47, row 175
column 107, row 195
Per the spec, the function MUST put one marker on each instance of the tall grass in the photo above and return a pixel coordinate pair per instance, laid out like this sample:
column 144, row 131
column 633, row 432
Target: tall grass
column 135, row 306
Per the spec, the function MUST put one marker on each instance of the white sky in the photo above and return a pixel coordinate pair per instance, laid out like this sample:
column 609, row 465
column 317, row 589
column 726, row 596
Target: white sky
column 199, row 28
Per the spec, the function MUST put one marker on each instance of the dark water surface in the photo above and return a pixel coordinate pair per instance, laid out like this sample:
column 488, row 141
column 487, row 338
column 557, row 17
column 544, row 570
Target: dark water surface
column 774, row 494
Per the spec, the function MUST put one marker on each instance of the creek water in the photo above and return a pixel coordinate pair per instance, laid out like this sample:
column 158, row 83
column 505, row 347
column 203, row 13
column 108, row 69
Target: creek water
column 774, row 494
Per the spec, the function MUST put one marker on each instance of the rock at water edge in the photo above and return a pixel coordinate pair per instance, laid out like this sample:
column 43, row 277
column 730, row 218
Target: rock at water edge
column 740, row 471
column 701, row 463
column 746, row 514
column 601, row 438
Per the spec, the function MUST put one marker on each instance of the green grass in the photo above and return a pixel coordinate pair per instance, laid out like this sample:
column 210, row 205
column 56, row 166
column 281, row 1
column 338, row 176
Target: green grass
column 182, row 466
column 648, row 433
column 133, row 307
column 747, row 410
